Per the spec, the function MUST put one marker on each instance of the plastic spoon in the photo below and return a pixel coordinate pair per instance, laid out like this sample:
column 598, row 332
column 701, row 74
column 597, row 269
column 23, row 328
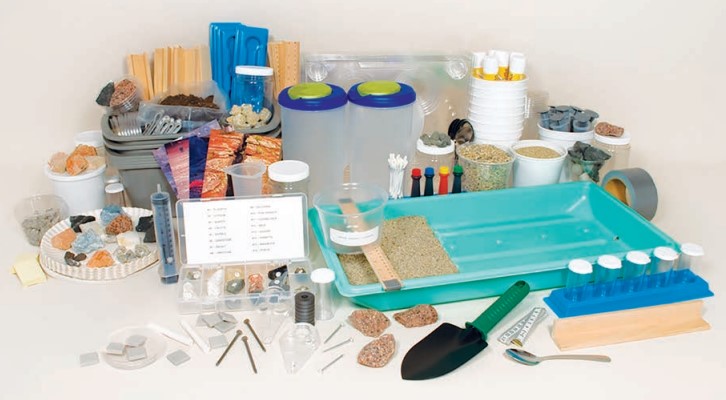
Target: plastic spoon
column 527, row 358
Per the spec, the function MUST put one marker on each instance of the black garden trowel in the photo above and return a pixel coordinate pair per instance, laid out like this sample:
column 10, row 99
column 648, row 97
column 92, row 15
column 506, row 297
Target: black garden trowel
column 448, row 346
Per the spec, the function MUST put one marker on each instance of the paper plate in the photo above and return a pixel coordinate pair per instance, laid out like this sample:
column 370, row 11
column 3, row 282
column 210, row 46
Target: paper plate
column 51, row 259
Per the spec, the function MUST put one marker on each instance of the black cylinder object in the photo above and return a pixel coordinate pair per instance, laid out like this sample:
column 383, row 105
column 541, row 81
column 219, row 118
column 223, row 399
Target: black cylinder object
column 305, row 308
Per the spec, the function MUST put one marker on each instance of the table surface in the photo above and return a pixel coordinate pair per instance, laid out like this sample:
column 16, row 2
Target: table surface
column 48, row 326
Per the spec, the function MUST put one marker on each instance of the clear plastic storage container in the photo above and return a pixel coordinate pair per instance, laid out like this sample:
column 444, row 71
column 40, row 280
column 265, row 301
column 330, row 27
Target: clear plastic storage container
column 380, row 124
column 432, row 156
column 313, row 117
column 289, row 176
column 617, row 147
column 253, row 85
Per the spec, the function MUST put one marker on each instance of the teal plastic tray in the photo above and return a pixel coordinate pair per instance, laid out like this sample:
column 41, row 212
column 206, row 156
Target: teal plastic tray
column 499, row 237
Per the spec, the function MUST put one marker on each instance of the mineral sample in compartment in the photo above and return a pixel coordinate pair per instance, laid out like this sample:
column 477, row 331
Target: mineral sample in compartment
column 78, row 220
column 369, row 322
column 109, row 213
column 63, row 240
column 70, row 259
column 100, row 259
column 145, row 223
column 120, row 224
column 87, row 242
column 377, row 353
column 421, row 315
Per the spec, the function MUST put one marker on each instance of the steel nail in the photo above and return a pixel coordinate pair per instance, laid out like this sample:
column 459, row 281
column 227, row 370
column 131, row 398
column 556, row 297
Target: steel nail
column 349, row 340
column 229, row 346
column 321, row 370
column 247, row 322
column 249, row 353
column 333, row 334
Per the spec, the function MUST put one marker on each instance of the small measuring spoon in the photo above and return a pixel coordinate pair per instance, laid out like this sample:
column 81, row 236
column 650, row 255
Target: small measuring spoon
column 527, row 358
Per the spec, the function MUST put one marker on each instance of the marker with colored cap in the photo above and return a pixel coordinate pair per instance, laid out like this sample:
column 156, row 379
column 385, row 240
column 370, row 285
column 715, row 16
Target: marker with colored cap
column 458, row 172
column 416, row 182
column 429, row 186
column 443, row 180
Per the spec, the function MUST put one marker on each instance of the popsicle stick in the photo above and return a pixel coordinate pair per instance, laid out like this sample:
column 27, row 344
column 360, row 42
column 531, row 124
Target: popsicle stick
column 190, row 64
column 140, row 74
column 628, row 325
column 158, row 71
column 149, row 81
column 291, row 65
column 130, row 64
column 206, row 64
column 167, row 69
column 273, row 56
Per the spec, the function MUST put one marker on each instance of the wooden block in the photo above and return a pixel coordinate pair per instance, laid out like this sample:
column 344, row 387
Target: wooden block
column 628, row 325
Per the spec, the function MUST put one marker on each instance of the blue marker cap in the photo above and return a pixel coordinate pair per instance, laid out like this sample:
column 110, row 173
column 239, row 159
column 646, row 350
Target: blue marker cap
column 429, row 172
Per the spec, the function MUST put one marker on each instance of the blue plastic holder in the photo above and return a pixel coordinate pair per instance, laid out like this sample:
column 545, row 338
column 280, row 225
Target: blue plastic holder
column 693, row 287
column 232, row 44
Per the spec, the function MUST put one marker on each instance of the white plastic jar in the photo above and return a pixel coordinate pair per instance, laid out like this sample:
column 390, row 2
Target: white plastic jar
column 288, row 176
column 617, row 147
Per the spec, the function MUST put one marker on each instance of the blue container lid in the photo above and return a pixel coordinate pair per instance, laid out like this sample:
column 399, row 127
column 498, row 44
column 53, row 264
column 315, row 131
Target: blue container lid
column 312, row 96
column 381, row 94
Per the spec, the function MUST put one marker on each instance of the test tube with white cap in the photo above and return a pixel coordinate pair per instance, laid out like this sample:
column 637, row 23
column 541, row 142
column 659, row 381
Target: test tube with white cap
column 579, row 273
column 664, row 259
column 691, row 255
column 607, row 272
column 323, row 279
column 634, row 268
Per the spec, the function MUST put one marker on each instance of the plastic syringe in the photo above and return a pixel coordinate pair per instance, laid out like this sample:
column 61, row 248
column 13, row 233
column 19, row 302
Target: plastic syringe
column 161, row 205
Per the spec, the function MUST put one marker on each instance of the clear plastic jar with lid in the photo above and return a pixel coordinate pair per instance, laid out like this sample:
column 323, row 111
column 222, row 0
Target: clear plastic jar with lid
column 289, row 176
column 432, row 156
column 617, row 147
column 252, row 85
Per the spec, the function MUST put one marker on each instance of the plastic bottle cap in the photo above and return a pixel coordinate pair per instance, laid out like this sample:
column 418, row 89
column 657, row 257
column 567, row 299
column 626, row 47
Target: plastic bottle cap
column 433, row 150
column 378, row 88
column 517, row 63
column 322, row 275
column 429, row 172
column 443, row 170
column 502, row 57
column 665, row 253
column 692, row 249
column 458, row 169
column 582, row 117
column 491, row 66
column 609, row 262
column 622, row 140
column 381, row 94
column 113, row 188
column 253, row 70
column 580, row 266
column 310, row 90
column 416, row 172
column 477, row 59
column 288, row 171
column 637, row 257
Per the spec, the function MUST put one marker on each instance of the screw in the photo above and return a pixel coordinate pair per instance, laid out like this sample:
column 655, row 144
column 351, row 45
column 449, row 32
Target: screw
column 349, row 340
column 333, row 334
column 229, row 346
column 247, row 322
column 249, row 353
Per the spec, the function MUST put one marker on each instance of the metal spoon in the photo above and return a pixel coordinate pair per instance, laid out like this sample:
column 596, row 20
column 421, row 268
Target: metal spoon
column 527, row 358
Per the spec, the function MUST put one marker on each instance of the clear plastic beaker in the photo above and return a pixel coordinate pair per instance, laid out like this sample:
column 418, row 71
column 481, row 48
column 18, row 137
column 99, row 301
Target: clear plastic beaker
column 247, row 178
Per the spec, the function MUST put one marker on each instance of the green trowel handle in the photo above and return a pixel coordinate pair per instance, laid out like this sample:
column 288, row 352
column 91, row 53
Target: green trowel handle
column 504, row 304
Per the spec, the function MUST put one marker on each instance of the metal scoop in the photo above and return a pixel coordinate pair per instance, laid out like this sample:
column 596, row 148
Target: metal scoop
column 527, row 358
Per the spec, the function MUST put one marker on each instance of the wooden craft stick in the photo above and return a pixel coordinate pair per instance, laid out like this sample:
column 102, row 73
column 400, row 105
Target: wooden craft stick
column 628, row 325
column 147, row 77
column 206, row 64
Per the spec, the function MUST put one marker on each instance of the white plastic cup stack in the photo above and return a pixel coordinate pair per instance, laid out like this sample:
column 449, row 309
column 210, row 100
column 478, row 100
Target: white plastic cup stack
column 497, row 110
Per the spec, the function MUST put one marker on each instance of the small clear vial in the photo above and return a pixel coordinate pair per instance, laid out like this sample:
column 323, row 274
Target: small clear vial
column 690, row 260
column 289, row 176
column 634, row 268
column 664, row 259
column 323, row 279
column 115, row 194
column 607, row 272
column 579, row 274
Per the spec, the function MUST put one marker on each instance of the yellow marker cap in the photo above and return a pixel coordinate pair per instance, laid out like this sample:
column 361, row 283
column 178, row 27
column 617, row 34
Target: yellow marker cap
column 443, row 170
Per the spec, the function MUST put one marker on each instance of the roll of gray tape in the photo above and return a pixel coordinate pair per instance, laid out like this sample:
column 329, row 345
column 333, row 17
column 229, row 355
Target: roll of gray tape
column 634, row 187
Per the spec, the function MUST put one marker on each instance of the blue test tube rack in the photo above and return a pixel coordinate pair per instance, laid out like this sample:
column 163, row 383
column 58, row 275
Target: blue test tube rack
column 689, row 286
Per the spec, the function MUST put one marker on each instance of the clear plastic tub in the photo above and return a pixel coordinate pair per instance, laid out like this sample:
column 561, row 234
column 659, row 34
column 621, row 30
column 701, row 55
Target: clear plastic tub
column 253, row 85
column 618, row 148
column 347, row 230
column 289, row 176
column 36, row 214
column 483, row 175
column 247, row 178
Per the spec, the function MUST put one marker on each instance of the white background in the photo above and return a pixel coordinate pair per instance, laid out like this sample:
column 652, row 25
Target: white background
column 655, row 67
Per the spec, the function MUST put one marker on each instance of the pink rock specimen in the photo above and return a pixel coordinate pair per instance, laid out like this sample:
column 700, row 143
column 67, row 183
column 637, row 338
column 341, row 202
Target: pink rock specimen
column 377, row 353
column 64, row 239
column 120, row 224
column 100, row 259
column 57, row 162
column 421, row 315
column 369, row 322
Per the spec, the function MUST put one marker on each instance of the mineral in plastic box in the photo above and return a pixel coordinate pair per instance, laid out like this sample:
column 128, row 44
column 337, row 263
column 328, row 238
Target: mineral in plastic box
column 229, row 246
column 498, row 237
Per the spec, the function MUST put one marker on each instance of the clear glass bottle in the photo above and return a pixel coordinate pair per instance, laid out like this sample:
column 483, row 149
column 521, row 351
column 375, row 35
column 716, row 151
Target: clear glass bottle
column 617, row 147
column 289, row 176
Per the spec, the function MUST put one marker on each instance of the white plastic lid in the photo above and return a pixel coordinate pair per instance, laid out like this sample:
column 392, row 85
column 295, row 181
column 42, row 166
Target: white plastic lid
column 616, row 141
column 433, row 150
column 665, row 253
column 253, row 70
column 517, row 63
column 637, row 257
column 502, row 57
column 692, row 249
column 322, row 275
column 288, row 171
column 609, row 262
column 477, row 59
column 491, row 66
column 580, row 266
column 113, row 188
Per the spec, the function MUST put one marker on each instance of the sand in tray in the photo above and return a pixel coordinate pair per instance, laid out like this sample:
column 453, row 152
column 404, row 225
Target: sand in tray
column 412, row 248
